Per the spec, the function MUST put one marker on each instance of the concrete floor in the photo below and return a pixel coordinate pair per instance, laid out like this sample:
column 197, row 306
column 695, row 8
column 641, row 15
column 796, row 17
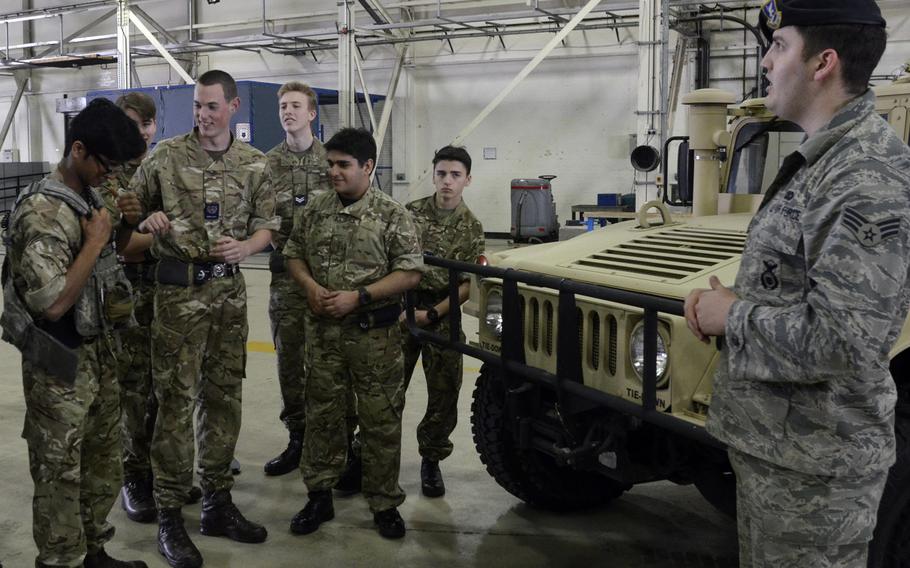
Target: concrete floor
column 477, row 523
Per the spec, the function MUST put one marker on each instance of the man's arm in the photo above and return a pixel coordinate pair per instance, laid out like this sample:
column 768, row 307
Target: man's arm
column 442, row 308
column 96, row 233
column 340, row 304
column 315, row 293
column 234, row 251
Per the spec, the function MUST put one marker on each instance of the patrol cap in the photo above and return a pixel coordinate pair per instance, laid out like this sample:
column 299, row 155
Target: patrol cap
column 776, row 14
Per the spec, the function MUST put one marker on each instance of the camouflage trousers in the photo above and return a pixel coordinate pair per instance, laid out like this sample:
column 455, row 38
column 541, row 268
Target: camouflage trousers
column 789, row 519
column 73, row 438
column 443, row 371
column 287, row 306
column 138, row 406
column 199, row 359
column 342, row 357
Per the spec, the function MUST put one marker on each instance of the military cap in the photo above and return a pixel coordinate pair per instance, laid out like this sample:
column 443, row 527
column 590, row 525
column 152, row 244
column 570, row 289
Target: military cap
column 776, row 14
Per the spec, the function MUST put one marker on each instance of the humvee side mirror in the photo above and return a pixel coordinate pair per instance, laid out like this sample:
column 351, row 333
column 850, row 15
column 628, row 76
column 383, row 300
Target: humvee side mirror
column 685, row 158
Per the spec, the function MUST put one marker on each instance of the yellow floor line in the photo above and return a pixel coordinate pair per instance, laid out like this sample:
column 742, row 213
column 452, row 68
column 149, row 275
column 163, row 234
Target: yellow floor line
column 260, row 347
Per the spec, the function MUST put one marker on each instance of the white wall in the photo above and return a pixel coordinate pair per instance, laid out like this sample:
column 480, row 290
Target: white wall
column 571, row 118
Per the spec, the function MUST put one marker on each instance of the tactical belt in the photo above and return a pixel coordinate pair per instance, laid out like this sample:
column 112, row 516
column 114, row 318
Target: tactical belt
column 376, row 319
column 139, row 270
column 192, row 274
column 278, row 264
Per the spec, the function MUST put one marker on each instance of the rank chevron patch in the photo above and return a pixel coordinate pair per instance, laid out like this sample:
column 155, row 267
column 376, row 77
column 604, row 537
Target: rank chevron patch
column 867, row 233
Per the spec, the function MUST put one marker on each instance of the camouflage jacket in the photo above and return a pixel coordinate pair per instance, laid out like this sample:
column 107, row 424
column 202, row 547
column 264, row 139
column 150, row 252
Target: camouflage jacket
column 205, row 199
column 45, row 235
column 118, row 180
column 803, row 381
column 457, row 236
column 296, row 179
column 349, row 247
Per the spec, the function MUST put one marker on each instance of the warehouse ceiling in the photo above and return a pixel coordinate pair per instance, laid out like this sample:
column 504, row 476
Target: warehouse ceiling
column 83, row 31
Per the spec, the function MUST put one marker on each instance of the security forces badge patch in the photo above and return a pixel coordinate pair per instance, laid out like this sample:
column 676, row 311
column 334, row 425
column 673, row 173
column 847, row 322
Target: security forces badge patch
column 868, row 233
column 772, row 13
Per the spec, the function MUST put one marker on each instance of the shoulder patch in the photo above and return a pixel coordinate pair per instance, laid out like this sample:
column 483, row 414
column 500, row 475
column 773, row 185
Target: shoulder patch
column 870, row 234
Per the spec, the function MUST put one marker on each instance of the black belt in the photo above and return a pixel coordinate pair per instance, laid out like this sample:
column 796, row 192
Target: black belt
column 378, row 318
column 138, row 270
column 278, row 263
column 192, row 274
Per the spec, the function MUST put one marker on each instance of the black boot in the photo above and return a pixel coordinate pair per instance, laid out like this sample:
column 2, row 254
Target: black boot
column 289, row 459
column 220, row 517
column 174, row 543
column 431, row 479
column 193, row 496
column 318, row 510
column 390, row 523
column 351, row 480
column 100, row 559
column 136, row 499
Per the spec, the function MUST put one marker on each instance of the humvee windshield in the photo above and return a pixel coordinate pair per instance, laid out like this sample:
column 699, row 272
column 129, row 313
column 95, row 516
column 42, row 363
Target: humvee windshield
column 758, row 154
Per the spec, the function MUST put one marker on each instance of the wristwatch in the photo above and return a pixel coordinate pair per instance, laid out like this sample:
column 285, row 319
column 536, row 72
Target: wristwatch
column 365, row 297
column 432, row 315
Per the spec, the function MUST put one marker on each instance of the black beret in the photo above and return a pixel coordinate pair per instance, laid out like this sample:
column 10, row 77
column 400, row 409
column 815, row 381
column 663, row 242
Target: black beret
column 776, row 14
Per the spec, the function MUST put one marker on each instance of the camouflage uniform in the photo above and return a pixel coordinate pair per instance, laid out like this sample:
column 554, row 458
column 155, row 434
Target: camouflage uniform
column 803, row 383
column 138, row 406
column 71, row 430
column 347, row 248
column 456, row 235
column 296, row 179
column 199, row 331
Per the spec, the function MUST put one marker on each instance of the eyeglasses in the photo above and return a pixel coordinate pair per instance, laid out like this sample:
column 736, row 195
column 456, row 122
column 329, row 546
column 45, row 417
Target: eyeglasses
column 104, row 163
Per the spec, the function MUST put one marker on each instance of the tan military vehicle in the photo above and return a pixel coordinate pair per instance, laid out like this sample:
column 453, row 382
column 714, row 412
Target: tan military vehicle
column 591, row 380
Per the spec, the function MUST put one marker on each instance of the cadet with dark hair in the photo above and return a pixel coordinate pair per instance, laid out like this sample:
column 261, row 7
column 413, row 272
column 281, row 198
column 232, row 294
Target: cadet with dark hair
column 216, row 193
column 354, row 251
column 802, row 395
column 65, row 296
column 447, row 229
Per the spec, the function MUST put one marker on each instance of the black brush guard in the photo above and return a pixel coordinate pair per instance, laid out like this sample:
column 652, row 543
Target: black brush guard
column 567, row 383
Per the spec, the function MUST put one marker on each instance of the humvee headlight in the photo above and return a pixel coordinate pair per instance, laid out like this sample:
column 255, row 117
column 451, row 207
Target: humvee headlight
column 637, row 353
column 493, row 316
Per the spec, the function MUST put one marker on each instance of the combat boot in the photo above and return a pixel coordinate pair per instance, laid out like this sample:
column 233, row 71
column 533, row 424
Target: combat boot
column 100, row 559
column 173, row 542
column 318, row 510
column 431, row 479
column 351, row 480
column 220, row 517
column 289, row 459
column 390, row 523
column 193, row 496
column 136, row 499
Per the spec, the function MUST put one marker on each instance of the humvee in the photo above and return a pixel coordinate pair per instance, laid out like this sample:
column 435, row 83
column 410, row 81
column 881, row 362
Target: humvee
column 591, row 381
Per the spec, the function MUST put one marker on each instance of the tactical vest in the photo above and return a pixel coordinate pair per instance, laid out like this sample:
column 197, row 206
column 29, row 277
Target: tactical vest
column 105, row 303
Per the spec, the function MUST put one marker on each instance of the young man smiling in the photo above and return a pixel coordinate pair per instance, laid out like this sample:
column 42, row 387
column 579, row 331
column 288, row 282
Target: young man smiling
column 802, row 395
column 354, row 252
column 299, row 173
column 448, row 229
column 220, row 206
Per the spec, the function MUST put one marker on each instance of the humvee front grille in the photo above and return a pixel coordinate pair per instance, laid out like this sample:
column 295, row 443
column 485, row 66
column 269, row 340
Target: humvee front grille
column 673, row 253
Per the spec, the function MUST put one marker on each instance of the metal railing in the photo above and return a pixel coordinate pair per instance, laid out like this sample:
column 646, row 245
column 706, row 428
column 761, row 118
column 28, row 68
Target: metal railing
column 567, row 382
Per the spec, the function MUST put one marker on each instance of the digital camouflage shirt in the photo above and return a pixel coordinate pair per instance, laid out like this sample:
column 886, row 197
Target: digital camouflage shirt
column 349, row 247
column 803, row 381
column 456, row 235
column 205, row 199
column 296, row 179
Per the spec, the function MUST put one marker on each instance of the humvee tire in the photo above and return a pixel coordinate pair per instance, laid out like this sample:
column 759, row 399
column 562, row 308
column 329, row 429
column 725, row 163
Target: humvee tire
column 532, row 476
